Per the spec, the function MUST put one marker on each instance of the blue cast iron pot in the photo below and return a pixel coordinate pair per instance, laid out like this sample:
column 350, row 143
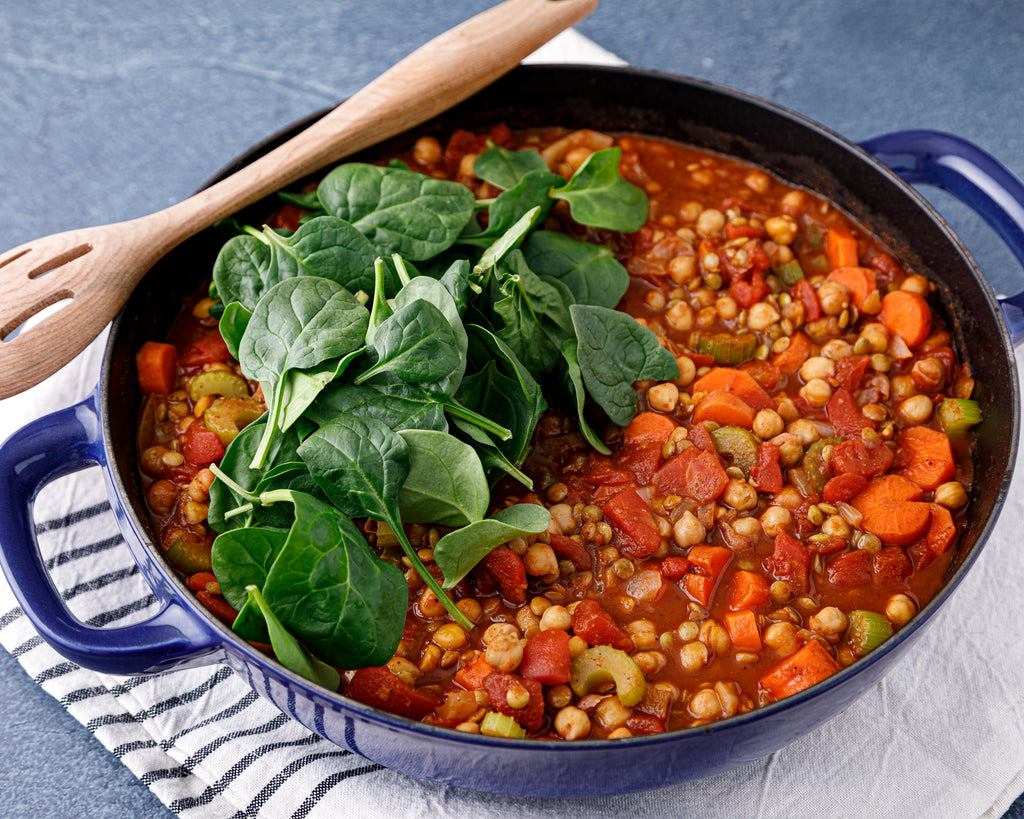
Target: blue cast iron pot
column 100, row 430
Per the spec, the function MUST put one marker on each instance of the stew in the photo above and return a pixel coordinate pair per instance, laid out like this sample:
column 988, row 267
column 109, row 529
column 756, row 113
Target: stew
column 405, row 444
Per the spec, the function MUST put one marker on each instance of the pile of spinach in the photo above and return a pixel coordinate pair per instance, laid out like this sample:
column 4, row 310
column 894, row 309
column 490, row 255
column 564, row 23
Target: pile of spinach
column 405, row 347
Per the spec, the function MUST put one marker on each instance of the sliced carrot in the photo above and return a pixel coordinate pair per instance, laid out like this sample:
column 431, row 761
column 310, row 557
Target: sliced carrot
column 809, row 665
column 220, row 607
column 792, row 358
column 891, row 510
column 841, row 248
column 472, row 676
column 748, row 590
column 860, row 281
column 725, row 409
column 906, row 315
column 700, row 587
column 942, row 531
column 200, row 580
column 743, row 630
column 925, row 456
column 156, row 364
column 712, row 559
column 738, row 382
column 648, row 428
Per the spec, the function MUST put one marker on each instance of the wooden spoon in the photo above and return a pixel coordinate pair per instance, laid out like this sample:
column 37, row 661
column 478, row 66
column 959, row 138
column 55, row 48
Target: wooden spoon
column 97, row 268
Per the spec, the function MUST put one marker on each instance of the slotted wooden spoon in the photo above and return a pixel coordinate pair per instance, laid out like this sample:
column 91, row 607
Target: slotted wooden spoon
column 96, row 268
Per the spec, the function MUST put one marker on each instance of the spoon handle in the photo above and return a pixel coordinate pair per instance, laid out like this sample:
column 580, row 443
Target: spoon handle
column 432, row 79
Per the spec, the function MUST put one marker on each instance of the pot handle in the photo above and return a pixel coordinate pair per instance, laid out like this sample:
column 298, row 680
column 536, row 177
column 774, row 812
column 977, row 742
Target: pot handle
column 973, row 176
column 46, row 449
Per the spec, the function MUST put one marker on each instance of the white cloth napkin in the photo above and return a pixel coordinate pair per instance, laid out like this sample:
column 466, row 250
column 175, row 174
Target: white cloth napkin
column 941, row 736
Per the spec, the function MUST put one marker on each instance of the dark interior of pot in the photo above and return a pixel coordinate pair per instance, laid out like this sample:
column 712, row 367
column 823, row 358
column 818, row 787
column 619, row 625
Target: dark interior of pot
column 622, row 100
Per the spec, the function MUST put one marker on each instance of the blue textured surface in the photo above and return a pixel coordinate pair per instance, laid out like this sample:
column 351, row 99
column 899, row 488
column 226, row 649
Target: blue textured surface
column 115, row 109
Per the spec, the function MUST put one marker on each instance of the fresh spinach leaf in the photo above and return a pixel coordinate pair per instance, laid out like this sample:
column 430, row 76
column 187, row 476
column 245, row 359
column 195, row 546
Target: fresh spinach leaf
column 590, row 271
column 493, row 460
column 307, row 201
column 600, row 198
column 416, row 344
column 512, row 205
column 613, row 352
column 446, row 484
column 399, row 211
column 434, row 292
column 396, row 404
column 301, row 387
column 497, row 251
column 331, row 591
column 579, row 394
column 456, row 281
column 233, row 322
column 380, row 309
column 504, row 168
column 243, row 557
column 459, row 551
column 288, row 650
column 534, row 312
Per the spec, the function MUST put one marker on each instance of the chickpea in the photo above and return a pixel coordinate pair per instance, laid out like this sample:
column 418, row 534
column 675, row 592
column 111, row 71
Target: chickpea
column 663, row 397
column 688, row 531
column 900, row 609
column 767, row 424
column 611, row 713
column 504, row 649
column 791, row 448
column 470, row 607
column 687, row 371
column 152, row 459
column 748, row 527
column 199, row 486
column 430, row 607
column 776, row 519
column 951, row 495
column 836, row 526
column 161, row 496
column 761, row 316
column 680, row 316
column 467, row 166
column 404, row 669
column 830, row 623
column 817, row 366
column 196, row 512
column 620, row 733
column 740, row 495
column 834, row 298
column 555, row 618
column 916, row 284
column 781, row 229
column 693, row 656
column 559, row 696
column 572, row 723
column 789, row 498
column 917, row 409
column 714, row 636
column 540, row 560
column 528, row 621
column 427, row 151
column 430, row 659
column 758, row 181
column 710, row 222
column 705, row 705
column 577, row 645
column 816, row 392
column 562, row 517
column 805, row 430
column 836, row 348
column 781, row 638
column 450, row 636
column 681, row 268
column 656, row 300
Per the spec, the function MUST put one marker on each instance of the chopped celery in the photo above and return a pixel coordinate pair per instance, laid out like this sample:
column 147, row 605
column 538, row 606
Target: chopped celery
column 189, row 558
column 599, row 664
column 500, row 725
column 727, row 348
column 868, row 630
column 229, row 416
column 790, row 272
column 217, row 382
column 814, row 461
column 739, row 443
column 957, row 415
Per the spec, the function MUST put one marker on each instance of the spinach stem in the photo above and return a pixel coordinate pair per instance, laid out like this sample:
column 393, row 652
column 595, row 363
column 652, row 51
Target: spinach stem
column 475, row 418
column 428, row 578
column 233, row 485
column 238, row 510
column 273, row 420
column 403, row 272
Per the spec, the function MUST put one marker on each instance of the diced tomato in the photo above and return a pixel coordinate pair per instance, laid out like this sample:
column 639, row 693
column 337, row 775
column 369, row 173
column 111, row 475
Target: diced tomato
column 205, row 350
column 600, row 471
column 201, row 446
column 568, row 548
column 887, row 266
column 736, row 230
column 765, row 373
column 850, row 371
column 748, row 292
column 890, row 566
column 644, row 724
column 627, row 512
column 767, row 474
column 461, row 143
column 942, row 529
column 790, row 561
column 507, row 568
column 829, row 546
column 220, row 607
column 673, row 568
column 805, row 293
column 693, row 473
column 596, row 626
column 850, row 569
column 844, row 487
column 701, row 438
column 498, row 686
column 860, row 458
column 845, row 416
column 381, row 688
column 642, row 460
column 546, row 657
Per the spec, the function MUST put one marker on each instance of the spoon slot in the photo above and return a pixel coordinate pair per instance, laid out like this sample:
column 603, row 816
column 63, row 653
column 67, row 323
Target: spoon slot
column 30, row 316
